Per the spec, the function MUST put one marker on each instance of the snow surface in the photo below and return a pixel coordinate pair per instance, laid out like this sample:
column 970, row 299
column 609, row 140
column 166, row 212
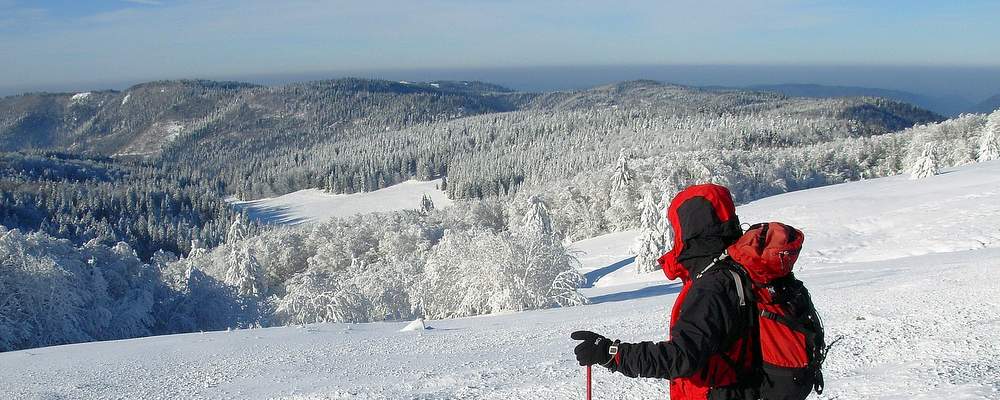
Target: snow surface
column 313, row 205
column 905, row 271
column 607, row 263
column 80, row 96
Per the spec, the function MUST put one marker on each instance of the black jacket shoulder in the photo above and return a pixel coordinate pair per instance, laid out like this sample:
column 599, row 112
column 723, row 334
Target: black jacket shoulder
column 710, row 318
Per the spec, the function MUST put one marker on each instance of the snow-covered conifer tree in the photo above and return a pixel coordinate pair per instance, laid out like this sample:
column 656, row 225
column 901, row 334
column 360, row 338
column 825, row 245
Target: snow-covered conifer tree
column 243, row 272
column 623, row 174
column 622, row 211
column 426, row 204
column 647, row 252
column 197, row 249
column 989, row 142
column 926, row 165
column 649, row 243
column 536, row 220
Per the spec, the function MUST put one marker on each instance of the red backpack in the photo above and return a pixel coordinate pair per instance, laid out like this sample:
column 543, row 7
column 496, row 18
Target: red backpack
column 792, row 347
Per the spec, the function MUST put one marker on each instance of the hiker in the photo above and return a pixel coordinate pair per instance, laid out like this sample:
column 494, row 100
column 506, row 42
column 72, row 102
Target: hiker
column 715, row 349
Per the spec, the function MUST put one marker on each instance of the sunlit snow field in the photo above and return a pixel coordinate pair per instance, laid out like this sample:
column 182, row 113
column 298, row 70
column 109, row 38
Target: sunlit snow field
column 905, row 271
column 314, row 205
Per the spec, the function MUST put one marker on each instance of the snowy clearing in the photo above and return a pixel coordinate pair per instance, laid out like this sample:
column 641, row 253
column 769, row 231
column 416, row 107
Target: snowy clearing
column 904, row 270
column 314, row 205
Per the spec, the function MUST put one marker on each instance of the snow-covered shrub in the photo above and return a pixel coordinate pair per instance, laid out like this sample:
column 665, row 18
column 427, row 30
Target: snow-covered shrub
column 281, row 253
column 402, row 265
column 926, row 165
column 955, row 141
column 368, row 287
column 130, row 286
column 482, row 272
column 318, row 296
column 54, row 293
column 358, row 269
column 989, row 142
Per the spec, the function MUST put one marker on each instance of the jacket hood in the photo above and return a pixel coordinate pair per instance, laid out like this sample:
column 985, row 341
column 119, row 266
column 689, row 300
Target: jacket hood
column 705, row 223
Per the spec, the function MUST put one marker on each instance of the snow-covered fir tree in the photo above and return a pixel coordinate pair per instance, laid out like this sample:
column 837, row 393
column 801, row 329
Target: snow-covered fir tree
column 243, row 272
column 926, row 165
column 623, row 174
column 989, row 142
column 649, row 244
column 197, row 250
column 622, row 210
column 664, row 222
column 536, row 220
column 426, row 204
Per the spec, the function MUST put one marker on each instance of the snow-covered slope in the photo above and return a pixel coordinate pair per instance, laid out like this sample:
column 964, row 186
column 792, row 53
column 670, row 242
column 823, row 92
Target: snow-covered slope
column 905, row 271
column 312, row 205
column 889, row 218
column 607, row 264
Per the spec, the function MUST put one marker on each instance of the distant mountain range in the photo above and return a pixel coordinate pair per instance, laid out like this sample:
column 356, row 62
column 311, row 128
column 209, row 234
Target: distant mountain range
column 949, row 106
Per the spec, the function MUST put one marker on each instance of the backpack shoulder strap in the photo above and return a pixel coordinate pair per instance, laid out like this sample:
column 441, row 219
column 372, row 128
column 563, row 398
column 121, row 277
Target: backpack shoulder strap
column 744, row 285
column 739, row 287
column 750, row 358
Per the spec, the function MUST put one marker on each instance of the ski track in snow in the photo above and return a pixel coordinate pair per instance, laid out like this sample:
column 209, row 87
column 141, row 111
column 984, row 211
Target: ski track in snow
column 905, row 271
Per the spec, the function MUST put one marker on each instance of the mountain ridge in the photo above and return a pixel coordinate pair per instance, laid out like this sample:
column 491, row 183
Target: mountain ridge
column 948, row 106
column 263, row 141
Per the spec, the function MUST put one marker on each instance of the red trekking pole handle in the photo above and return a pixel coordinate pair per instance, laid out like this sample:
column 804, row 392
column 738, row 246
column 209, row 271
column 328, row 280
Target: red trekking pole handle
column 588, row 382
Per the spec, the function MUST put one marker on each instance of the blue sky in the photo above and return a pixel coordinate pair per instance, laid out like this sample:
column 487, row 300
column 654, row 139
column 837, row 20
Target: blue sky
column 48, row 42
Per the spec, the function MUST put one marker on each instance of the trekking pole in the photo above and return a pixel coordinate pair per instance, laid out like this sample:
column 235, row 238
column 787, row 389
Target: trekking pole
column 588, row 382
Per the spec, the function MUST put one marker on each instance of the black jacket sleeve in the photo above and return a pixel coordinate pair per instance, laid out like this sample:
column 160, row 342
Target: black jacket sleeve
column 707, row 318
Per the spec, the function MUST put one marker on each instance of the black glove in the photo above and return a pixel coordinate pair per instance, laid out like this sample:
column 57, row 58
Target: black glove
column 593, row 350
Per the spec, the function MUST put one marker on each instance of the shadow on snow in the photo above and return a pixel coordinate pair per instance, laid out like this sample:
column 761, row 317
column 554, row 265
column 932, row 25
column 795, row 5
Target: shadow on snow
column 649, row 291
column 597, row 274
column 281, row 215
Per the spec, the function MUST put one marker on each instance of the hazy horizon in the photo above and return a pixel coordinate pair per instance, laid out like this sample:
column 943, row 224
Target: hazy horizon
column 966, row 83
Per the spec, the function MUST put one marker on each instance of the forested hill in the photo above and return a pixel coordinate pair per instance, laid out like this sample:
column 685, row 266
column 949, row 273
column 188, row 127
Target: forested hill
column 104, row 201
column 947, row 105
column 263, row 141
column 684, row 100
column 145, row 118
column 544, row 136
